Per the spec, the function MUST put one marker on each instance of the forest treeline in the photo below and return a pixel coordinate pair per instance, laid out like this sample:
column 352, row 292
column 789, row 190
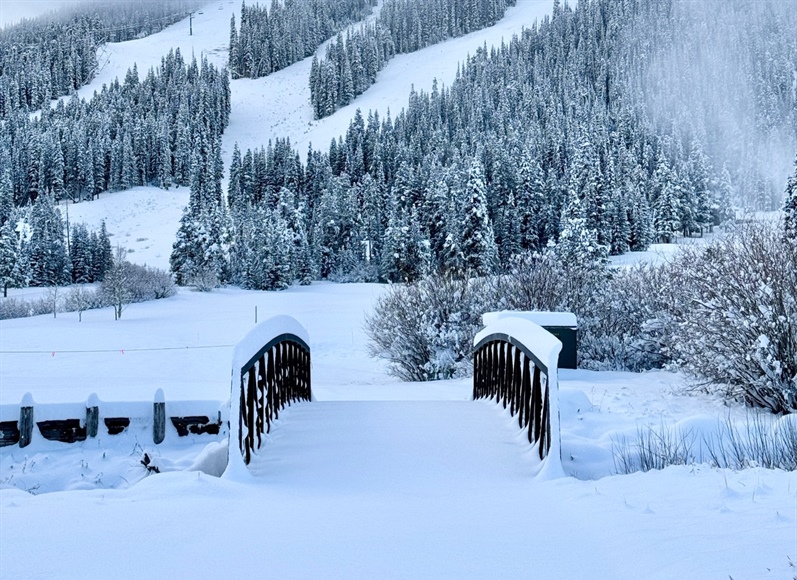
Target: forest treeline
column 134, row 132
column 551, row 127
column 559, row 130
column 349, row 67
column 51, row 56
column 272, row 38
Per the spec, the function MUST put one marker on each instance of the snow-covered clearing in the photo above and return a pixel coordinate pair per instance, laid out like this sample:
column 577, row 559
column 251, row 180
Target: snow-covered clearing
column 376, row 478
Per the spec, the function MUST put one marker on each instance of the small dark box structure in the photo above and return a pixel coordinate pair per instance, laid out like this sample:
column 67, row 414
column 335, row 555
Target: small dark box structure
column 563, row 325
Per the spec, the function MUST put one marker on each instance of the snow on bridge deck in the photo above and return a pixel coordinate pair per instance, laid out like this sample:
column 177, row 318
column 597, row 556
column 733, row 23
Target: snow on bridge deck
column 415, row 448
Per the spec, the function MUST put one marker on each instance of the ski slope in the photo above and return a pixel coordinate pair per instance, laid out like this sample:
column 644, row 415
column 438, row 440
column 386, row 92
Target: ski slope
column 276, row 106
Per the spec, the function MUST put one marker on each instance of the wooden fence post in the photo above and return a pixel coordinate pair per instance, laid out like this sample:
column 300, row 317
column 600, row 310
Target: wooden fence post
column 92, row 415
column 26, row 420
column 159, row 417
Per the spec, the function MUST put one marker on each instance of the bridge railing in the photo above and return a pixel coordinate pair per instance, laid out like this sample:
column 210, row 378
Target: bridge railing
column 271, row 369
column 515, row 362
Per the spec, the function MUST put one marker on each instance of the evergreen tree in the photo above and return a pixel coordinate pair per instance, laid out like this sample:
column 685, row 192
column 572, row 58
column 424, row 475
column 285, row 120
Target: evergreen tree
column 790, row 207
column 10, row 266
column 49, row 262
column 478, row 242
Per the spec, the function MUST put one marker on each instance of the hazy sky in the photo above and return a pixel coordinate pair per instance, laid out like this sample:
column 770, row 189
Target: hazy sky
column 12, row 11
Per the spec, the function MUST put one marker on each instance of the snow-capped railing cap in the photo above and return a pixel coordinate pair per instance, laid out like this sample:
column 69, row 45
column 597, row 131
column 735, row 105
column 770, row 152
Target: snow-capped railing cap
column 27, row 400
column 564, row 319
column 542, row 344
column 254, row 340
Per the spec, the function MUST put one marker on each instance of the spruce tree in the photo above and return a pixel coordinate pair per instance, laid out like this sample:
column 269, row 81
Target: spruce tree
column 790, row 207
column 478, row 241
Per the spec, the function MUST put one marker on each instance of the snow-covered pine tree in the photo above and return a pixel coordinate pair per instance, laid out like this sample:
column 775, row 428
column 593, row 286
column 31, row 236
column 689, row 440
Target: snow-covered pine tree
column 49, row 262
column 790, row 207
column 10, row 266
column 477, row 238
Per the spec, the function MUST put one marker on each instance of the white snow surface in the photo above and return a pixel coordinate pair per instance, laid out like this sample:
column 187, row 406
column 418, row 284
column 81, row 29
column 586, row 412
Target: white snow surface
column 566, row 319
column 374, row 479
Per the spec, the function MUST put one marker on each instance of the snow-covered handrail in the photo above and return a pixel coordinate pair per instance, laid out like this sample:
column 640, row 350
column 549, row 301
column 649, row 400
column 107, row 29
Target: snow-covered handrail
column 513, row 360
column 270, row 369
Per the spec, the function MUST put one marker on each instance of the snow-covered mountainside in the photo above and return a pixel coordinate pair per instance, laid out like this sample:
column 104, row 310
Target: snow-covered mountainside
column 276, row 106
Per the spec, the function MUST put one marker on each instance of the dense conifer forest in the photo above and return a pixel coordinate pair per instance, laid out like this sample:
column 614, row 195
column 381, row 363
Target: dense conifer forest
column 47, row 57
column 271, row 38
column 350, row 67
column 587, row 119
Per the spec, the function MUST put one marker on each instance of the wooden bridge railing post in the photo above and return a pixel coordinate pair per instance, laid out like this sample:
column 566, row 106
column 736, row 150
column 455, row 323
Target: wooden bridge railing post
column 264, row 382
column 512, row 358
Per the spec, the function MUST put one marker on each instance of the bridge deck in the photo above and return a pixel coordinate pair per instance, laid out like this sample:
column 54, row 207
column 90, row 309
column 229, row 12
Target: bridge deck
column 418, row 447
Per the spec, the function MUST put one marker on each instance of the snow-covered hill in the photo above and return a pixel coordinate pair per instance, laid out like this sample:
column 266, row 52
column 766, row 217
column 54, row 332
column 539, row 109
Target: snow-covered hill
column 145, row 220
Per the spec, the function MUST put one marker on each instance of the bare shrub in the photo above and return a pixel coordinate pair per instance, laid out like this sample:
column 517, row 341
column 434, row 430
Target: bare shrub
column 14, row 308
column 628, row 324
column 759, row 441
column 425, row 329
column 148, row 283
column 654, row 449
column 79, row 299
column 204, row 280
column 125, row 283
column 738, row 330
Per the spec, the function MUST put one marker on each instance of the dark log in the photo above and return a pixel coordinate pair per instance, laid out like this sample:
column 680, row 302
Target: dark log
column 9, row 433
column 195, row 425
column 116, row 425
column 64, row 430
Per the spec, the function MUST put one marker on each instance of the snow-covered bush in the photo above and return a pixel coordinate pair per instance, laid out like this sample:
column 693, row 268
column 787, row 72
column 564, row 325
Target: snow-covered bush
column 425, row 329
column 126, row 282
column 628, row 324
column 738, row 330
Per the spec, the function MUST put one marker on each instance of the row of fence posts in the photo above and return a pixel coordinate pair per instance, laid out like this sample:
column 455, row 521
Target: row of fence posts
column 26, row 422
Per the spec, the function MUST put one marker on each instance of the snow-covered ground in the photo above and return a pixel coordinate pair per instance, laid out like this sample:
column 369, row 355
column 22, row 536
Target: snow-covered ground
column 376, row 478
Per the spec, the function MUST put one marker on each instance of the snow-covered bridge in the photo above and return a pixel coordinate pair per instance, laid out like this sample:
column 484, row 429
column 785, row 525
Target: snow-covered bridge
column 378, row 445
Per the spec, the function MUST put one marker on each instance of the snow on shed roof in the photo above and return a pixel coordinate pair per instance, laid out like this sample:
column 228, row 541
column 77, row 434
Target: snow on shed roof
column 566, row 319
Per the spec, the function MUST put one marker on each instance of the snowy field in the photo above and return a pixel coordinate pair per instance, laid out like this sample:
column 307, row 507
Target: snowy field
column 375, row 479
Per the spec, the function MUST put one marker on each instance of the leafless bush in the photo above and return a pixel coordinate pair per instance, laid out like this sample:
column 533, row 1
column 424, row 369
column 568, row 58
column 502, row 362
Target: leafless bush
column 14, row 308
column 425, row 329
column 79, row 299
column 629, row 322
column 738, row 329
column 654, row 449
column 125, row 283
column 759, row 441
column 148, row 283
column 204, row 280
